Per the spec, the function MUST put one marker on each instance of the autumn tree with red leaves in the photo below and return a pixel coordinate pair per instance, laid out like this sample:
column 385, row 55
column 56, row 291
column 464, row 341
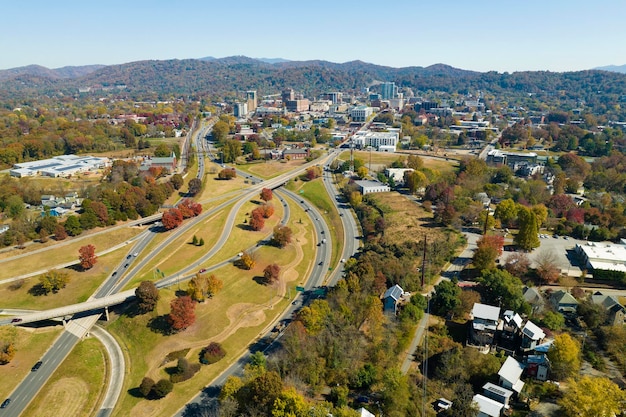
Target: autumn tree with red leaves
column 87, row 256
column 266, row 194
column 267, row 210
column 182, row 313
column 257, row 222
column 189, row 208
column 172, row 219
column 271, row 273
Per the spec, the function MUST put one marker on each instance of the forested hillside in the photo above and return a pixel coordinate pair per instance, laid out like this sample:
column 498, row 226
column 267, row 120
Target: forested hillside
column 601, row 91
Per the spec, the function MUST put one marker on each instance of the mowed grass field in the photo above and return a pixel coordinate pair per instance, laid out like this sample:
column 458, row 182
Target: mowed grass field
column 30, row 345
column 182, row 252
column 64, row 251
column 76, row 388
column 82, row 284
column 235, row 317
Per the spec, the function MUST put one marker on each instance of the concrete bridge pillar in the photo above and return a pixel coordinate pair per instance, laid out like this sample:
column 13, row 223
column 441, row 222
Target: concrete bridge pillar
column 106, row 313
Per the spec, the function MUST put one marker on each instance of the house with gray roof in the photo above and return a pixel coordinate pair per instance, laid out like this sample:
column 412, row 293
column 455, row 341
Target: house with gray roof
column 616, row 313
column 391, row 298
column 563, row 302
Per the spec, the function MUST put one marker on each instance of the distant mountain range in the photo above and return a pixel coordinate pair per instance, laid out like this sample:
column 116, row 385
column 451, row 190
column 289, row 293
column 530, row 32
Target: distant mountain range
column 613, row 68
column 225, row 77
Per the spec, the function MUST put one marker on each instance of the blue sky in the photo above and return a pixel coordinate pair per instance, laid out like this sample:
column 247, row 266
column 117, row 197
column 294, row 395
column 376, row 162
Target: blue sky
column 484, row 35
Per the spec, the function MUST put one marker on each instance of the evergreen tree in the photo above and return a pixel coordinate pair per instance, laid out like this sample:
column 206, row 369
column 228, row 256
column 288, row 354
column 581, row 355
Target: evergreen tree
column 201, row 243
column 527, row 238
column 194, row 241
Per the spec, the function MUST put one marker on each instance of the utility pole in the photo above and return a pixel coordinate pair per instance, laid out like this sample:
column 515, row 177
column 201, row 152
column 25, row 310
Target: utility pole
column 424, row 263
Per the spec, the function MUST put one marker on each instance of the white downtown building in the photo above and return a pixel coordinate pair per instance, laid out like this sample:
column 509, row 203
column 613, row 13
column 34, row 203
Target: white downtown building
column 381, row 141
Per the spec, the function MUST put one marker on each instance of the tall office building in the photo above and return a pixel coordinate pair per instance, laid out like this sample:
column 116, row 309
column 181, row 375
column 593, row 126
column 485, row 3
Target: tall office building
column 389, row 91
column 287, row 95
column 251, row 100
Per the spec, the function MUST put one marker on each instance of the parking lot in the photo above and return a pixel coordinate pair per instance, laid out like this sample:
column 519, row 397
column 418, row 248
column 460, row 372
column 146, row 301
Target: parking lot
column 563, row 249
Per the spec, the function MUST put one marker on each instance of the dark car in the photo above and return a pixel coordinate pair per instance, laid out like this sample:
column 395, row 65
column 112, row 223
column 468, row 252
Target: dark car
column 36, row 366
column 5, row 403
column 16, row 320
column 202, row 270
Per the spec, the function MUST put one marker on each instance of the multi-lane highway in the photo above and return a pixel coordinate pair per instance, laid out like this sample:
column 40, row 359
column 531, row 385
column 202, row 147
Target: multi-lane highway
column 78, row 328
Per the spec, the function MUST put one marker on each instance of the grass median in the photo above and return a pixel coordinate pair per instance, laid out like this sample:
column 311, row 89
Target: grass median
column 235, row 317
column 30, row 345
column 76, row 387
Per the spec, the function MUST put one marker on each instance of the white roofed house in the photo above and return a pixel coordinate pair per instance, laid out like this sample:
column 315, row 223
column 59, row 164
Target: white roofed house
column 532, row 336
column 510, row 374
column 485, row 320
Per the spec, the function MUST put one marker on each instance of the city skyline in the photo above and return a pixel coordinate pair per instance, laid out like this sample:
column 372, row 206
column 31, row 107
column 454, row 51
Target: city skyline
column 488, row 36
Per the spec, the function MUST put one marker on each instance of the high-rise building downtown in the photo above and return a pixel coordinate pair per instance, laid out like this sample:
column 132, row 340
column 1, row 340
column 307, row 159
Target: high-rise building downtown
column 389, row 91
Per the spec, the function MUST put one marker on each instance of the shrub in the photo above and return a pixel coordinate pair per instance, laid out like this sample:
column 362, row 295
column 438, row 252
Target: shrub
column 184, row 371
column 212, row 353
column 146, row 386
column 162, row 388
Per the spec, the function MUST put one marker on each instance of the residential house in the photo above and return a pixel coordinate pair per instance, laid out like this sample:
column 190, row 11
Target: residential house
column 535, row 299
column 4, row 228
column 563, row 302
column 537, row 366
column 391, row 298
column 498, row 393
column 364, row 413
column 511, row 326
column 488, row 407
column 48, row 200
column 532, row 336
column 616, row 313
column 483, row 198
column 510, row 374
column 484, row 324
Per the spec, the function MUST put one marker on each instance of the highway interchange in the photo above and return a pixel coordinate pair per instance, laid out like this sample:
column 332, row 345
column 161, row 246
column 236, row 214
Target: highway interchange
column 83, row 317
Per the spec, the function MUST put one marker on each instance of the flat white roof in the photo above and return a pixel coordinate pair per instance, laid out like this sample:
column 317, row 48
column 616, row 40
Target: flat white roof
column 485, row 311
column 609, row 253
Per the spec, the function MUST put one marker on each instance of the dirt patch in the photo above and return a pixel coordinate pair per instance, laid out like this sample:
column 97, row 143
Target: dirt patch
column 66, row 397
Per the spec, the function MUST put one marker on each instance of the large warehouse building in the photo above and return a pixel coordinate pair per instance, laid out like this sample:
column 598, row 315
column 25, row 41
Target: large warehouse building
column 59, row 166
column 603, row 256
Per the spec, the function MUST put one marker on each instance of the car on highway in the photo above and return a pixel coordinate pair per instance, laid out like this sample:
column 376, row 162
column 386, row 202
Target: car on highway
column 202, row 270
column 36, row 366
column 16, row 320
column 126, row 266
column 5, row 403
column 136, row 254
